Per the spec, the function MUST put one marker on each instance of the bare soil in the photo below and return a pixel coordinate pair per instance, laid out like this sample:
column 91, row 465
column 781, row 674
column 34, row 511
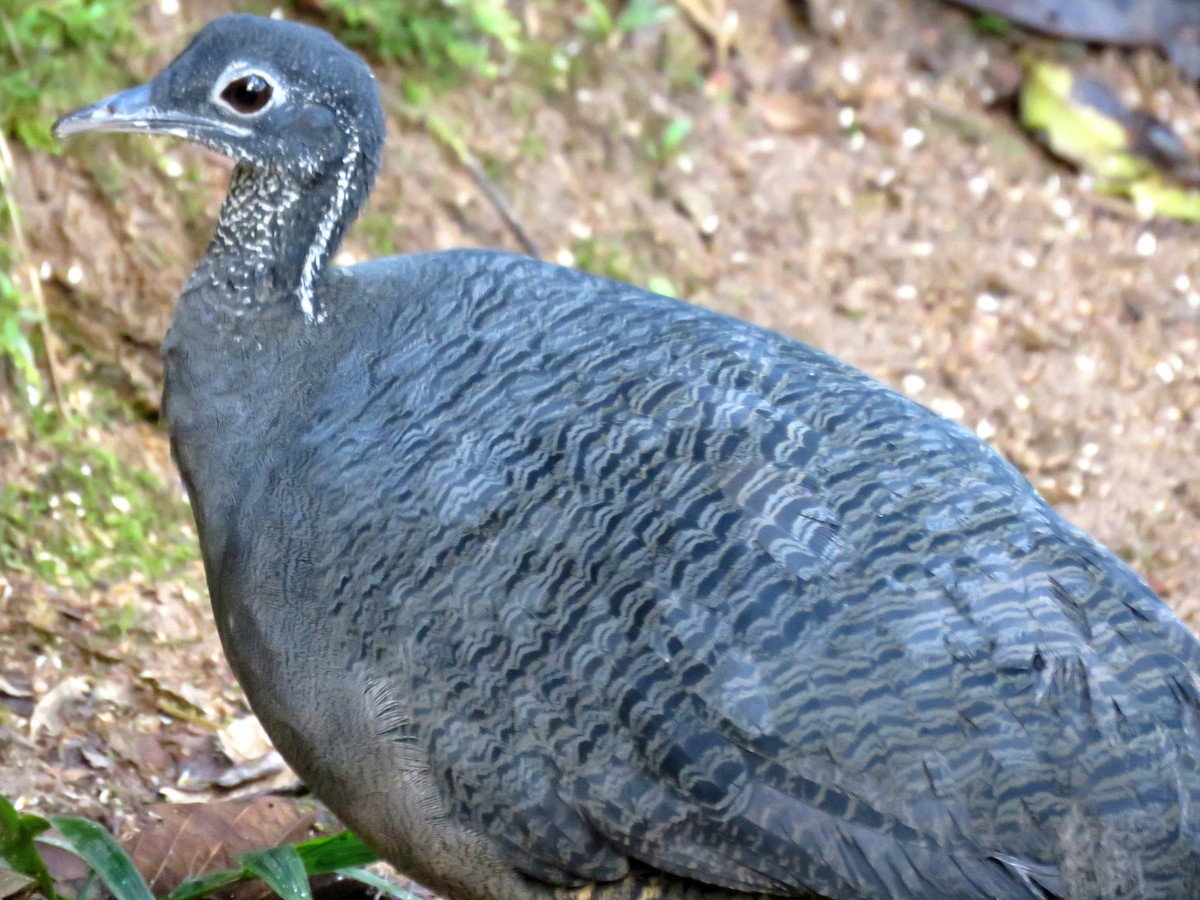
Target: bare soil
column 856, row 180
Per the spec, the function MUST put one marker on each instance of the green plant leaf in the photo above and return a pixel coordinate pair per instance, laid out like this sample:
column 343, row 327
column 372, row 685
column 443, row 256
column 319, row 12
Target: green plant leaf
column 380, row 884
column 642, row 14
column 281, row 868
column 100, row 850
column 205, row 885
column 674, row 133
column 991, row 25
column 338, row 851
column 17, row 848
column 599, row 20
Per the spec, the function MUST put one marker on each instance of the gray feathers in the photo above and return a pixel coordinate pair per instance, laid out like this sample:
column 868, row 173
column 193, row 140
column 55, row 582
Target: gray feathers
column 538, row 579
column 652, row 582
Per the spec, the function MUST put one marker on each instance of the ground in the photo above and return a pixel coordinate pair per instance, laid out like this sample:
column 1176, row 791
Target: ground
column 854, row 177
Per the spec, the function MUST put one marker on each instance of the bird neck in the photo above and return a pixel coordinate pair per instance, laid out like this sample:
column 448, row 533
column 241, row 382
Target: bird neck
column 277, row 232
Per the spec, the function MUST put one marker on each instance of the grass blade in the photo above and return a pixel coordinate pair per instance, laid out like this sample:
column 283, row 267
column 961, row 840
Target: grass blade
column 281, row 868
column 108, row 859
column 380, row 884
column 205, row 885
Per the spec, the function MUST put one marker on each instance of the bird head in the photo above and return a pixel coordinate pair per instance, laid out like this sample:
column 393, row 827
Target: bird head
column 267, row 93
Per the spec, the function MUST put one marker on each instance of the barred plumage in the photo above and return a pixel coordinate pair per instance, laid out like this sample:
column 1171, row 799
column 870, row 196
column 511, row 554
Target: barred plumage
column 539, row 579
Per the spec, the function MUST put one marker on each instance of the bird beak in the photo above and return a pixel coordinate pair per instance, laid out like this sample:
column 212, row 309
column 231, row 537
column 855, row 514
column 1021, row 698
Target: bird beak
column 129, row 110
column 134, row 110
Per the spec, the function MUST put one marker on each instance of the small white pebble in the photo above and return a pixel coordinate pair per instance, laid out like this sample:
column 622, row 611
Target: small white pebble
column 120, row 504
column 739, row 257
column 987, row 303
column 45, row 271
column 73, row 498
column 1182, row 283
column 85, row 470
column 906, row 292
column 845, row 117
column 277, row 13
column 1193, row 300
column 1022, row 401
column 837, row 19
column 1090, row 449
column 1085, row 364
column 1061, row 207
column 1146, row 207
column 169, row 7
column 173, row 167
column 858, row 140
column 922, row 249
column 581, row 230
column 583, row 95
column 948, row 407
column 53, row 502
column 74, row 274
column 985, row 429
column 800, row 54
column 912, row 383
column 1164, row 371
column 565, row 257
column 978, row 185
column 912, row 138
column 344, row 258
column 1026, row 259
column 709, row 224
column 685, row 164
column 885, row 178
column 1146, row 244
column 851, row 71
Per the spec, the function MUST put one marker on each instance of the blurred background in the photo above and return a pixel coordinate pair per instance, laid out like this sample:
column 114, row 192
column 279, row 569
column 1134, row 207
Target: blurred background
column 858, row 174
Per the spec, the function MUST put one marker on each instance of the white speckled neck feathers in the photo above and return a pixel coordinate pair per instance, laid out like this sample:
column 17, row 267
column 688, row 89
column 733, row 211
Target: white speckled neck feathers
column 277, row 232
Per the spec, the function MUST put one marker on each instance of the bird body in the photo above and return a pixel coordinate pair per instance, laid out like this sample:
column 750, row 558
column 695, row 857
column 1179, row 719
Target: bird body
column 543, row 582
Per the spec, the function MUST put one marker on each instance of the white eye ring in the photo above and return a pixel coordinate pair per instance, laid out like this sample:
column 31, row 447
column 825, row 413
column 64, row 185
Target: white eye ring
column 238, row 71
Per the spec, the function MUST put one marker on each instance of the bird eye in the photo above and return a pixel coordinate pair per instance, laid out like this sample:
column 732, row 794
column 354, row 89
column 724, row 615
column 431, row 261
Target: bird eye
column 248, row 94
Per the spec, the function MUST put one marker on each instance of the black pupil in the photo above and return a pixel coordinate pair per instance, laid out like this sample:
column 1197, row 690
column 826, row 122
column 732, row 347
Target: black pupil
column 248, row 94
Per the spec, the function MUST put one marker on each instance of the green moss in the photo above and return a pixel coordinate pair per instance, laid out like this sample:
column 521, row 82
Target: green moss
column 85, row 516
column 443, row 37
column 602, row 257
column 51, row 57
column 378, row 231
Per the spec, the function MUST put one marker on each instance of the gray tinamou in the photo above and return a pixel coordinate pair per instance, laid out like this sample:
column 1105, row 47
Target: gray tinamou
column 550, row 586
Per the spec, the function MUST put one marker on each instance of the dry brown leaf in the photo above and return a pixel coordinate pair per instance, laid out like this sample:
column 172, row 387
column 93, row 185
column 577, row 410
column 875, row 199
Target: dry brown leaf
column 47, row 714
column 791, row 113
column 244, row 740
column 178, row 841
